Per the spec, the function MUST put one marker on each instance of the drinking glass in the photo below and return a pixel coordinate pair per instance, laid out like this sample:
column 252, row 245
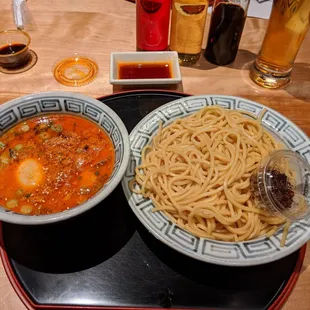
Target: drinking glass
column 14, row 48
column 288, row 26
column 227, row 22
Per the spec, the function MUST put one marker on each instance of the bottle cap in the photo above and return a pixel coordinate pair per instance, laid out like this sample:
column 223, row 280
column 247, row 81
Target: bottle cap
column 75, row 71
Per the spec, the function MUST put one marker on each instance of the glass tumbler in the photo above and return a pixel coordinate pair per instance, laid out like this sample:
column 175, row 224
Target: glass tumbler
column 14, row 48
column 288, row 25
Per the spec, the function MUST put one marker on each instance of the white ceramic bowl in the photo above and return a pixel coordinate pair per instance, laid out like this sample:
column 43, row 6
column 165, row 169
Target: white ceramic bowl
column 246, row 253
column 143, row 57
column 20, row 109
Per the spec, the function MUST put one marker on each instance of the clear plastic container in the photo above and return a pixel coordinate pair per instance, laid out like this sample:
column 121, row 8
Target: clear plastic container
column 281, row 185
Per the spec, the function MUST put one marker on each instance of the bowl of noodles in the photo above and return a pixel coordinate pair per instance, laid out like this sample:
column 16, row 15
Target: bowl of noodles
column 60, row 155
column 189, row 179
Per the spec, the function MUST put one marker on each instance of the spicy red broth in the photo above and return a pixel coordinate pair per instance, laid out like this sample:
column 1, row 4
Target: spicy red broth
column 50, row 164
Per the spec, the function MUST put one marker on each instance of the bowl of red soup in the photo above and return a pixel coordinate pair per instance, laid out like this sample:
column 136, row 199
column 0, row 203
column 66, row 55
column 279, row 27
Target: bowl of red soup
column 60, row 155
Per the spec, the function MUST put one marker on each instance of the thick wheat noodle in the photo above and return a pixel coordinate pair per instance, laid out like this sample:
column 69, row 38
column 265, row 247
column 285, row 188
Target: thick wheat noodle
column 198, row 169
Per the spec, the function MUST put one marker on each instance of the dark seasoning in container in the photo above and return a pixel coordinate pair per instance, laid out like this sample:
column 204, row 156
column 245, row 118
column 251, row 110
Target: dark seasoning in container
column 281, row 188
column 281, row 185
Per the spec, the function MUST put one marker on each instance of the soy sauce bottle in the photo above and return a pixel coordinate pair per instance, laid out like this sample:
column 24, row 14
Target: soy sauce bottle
column 227, row 22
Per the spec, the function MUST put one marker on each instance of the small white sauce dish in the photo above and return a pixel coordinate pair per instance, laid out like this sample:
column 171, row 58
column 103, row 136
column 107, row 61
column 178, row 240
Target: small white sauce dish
column 117, row 58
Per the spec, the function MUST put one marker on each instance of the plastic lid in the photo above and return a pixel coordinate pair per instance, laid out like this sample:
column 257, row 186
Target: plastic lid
column 286, row 177
column 75, row 71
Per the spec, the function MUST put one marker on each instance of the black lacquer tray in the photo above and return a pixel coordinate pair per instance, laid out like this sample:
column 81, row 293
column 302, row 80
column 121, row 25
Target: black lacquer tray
column 106, row 259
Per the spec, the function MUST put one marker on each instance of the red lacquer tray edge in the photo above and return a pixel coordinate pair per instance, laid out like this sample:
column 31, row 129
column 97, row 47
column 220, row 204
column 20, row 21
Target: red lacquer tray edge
column 284, row 295
column 276, row 305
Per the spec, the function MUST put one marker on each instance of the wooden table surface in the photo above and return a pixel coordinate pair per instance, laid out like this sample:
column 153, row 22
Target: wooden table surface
column 95, row 28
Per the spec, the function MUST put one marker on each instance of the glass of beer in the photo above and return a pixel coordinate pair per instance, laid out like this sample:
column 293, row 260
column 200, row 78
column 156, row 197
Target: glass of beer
column 288, row 26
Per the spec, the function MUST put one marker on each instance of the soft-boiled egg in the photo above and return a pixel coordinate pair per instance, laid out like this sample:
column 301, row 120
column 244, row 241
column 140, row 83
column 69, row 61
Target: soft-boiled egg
column 30, row 173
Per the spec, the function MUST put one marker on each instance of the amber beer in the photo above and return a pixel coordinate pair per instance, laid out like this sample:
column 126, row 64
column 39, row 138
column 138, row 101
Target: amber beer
column 288, row 26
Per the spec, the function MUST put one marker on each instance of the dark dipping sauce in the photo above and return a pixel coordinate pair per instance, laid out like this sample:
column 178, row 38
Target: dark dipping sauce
column 11, row 48
column 144, row 70
column 14, row 55
column 226, row 28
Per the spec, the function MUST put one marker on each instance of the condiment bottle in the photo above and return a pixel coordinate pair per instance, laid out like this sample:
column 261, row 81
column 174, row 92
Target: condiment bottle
column 152, row 24
column 187, row 28
column 281, row 185
column 227, row 22
column 288, row 25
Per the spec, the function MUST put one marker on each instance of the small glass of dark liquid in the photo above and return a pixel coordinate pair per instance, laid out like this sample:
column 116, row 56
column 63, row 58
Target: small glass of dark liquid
column 14, row 49
column 227, row 22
